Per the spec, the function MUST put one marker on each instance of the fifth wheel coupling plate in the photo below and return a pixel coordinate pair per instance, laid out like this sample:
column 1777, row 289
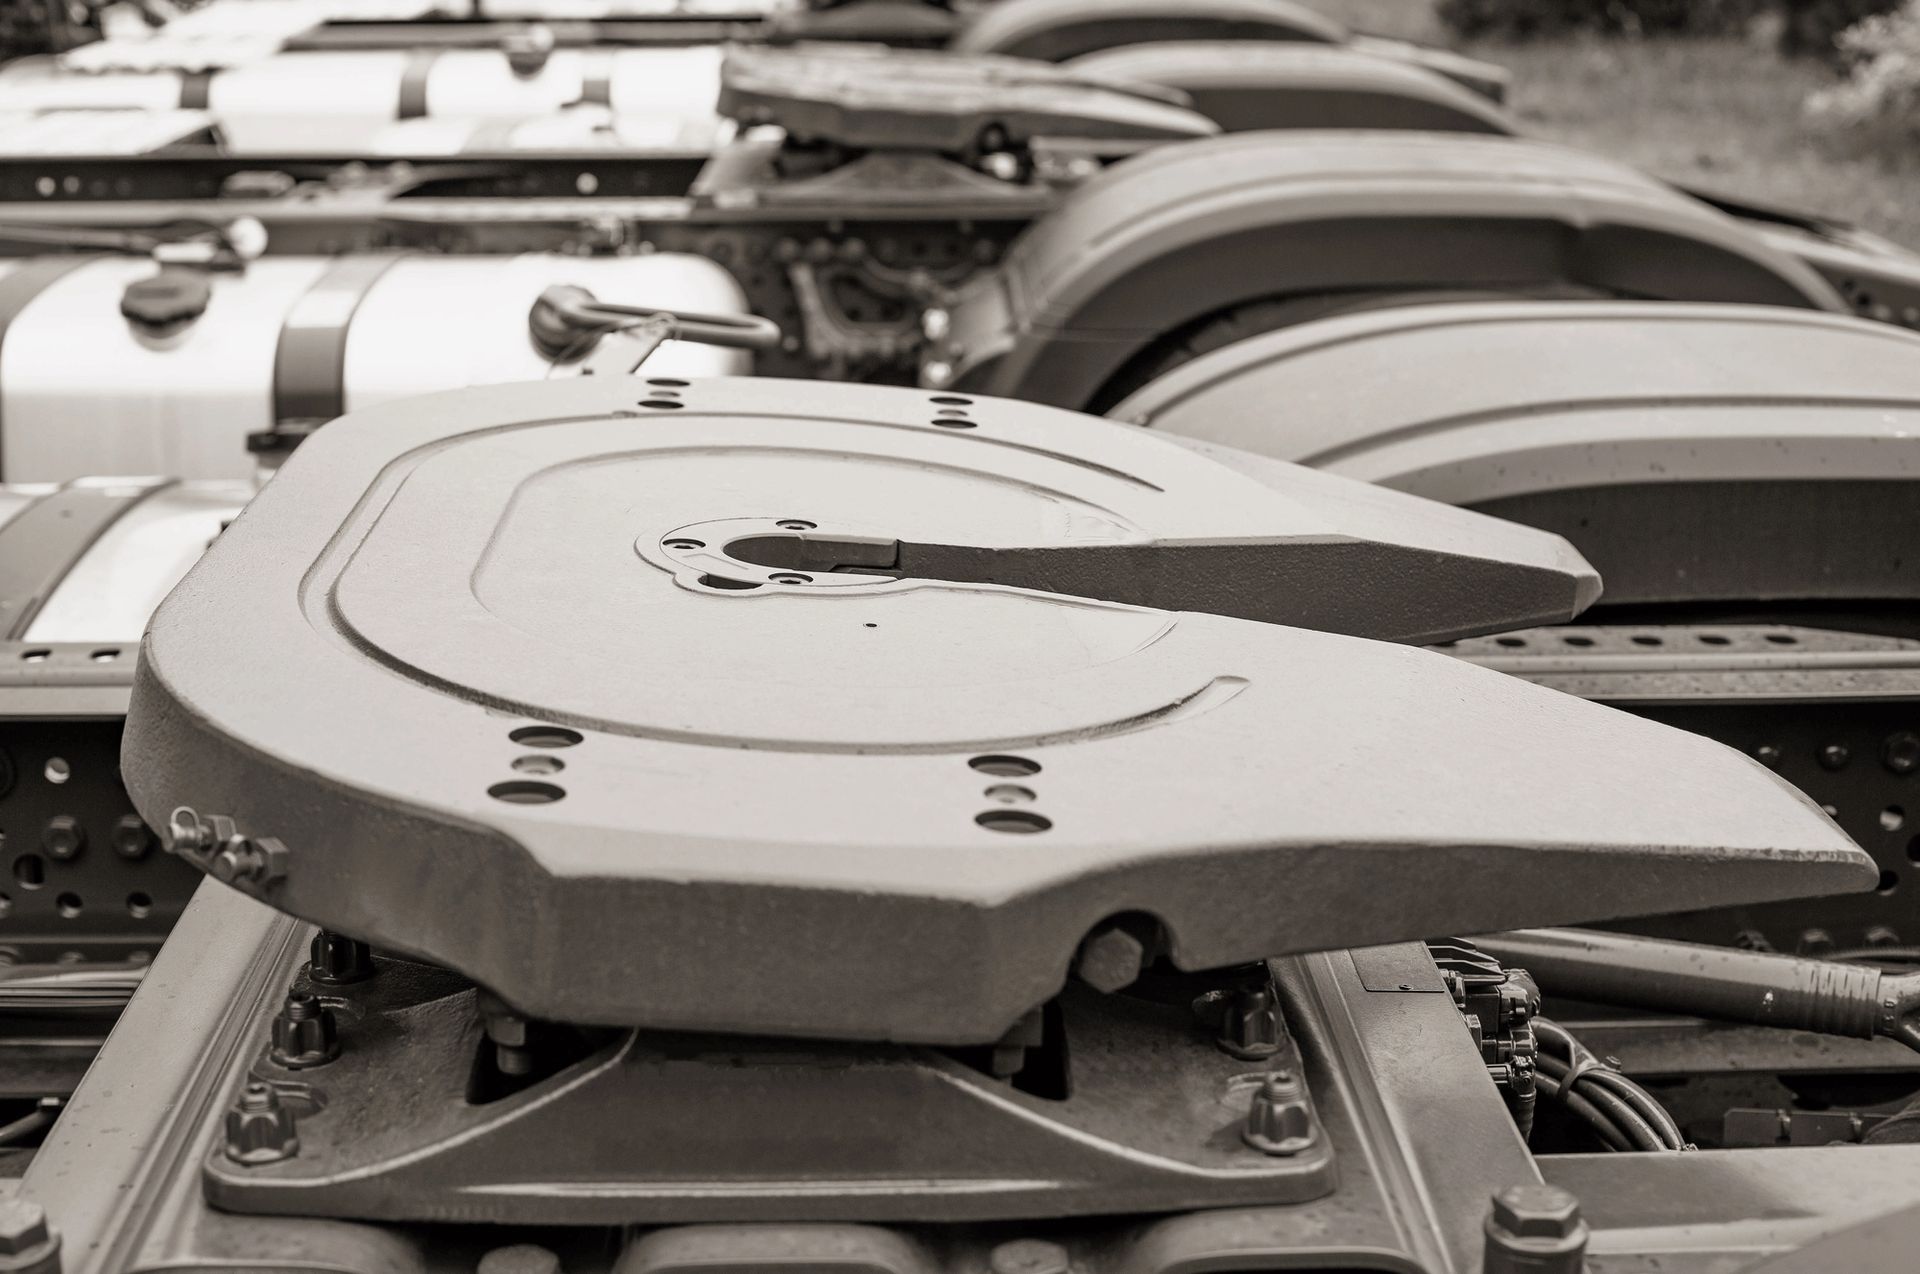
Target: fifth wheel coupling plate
column 849, row 711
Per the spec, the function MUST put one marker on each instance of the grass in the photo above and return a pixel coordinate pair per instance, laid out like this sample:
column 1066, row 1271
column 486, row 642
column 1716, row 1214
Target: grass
column 1719, row 114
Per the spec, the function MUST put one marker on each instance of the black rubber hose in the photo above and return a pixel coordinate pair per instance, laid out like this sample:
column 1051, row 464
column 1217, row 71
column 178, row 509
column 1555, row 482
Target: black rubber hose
column 1551, row 1033
column 1638, row 1131
column 1584, row 1110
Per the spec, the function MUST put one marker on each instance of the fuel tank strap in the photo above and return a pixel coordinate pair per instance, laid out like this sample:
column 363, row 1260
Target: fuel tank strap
column 17, row 290
column 413, row 84
column 309, row 365
column 41, row 543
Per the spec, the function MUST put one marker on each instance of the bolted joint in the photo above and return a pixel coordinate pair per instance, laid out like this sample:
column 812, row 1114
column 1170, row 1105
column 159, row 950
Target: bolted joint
column 1250, row 1028
column 260, row 1127
column 63, row 837
column 1280, row 1121
column 246, row 861
column 28, row 1245
column 1535, row 1229
column 334, row 959
column 131, row 839
column 1110, row 959
column 305, row 1033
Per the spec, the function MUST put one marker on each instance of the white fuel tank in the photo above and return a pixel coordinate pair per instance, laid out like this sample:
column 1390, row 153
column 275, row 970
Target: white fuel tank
column 159, row 530
column 334, row 101
column 85, row 391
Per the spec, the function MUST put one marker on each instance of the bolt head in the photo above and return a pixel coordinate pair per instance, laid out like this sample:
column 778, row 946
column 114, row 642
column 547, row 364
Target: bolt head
column 1834, row 756
column 1901, row 752
column 1110, row 960
column 63, row 838
column 1536, row 1212
column 335, row 959
column 23, row 1227
column 260, row 1128
column 1251, row 1029
column 131, row 838
column 305, row 1033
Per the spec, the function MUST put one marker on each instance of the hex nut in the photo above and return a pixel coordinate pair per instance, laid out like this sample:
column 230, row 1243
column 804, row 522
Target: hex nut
column 1110, row 959
column 28, row 1245
column 1535, row 1229
column 63, row 837
column 132, row 839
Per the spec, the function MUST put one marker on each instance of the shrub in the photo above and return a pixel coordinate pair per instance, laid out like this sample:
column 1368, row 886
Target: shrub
column 1812, row 28
column 1878, row 106
column 1524, row 19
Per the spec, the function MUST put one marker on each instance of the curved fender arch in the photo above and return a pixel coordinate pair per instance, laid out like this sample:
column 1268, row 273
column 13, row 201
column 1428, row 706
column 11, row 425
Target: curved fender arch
column 1694, row 453
column 1243, row 85
column 1181, row 234
column 1054, row 30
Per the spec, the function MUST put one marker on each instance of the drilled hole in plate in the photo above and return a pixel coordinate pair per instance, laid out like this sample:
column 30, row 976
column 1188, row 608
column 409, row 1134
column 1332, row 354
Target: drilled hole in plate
column 791, row 577
column 668, row 382
column 104, row 656
column 952, row 400
column 35, row 656
column 1913, row 850
column 1006, row 767
column 954, row 424
column 684, row 545
column 139, row 906
column 661, row 404
column 68, row 905
column 1889, row 881
column 57, row 771
column 1010, row 794
column 1645, row 639
column 1893, row 818
column 733, row 585
column 1511, row 643
column 526, row 792
column 1715, row 639
column 1580, row 642
column 30, row 870
column 545, row 736
column 1014, row 822
column 1783, row 639
column 538, row 764
column 796, row 524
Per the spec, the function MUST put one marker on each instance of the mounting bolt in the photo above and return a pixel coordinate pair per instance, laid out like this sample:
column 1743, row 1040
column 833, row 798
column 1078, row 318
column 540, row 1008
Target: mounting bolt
column 1814, row 942
column 1901, row 752
column 63, row 837
column 305, row 1033
column 131, row 838
column 1251, row 1027
column 334, row 959
column 1535, row 1229
column 1834, row 756
column 249, row 861
column 1279, row 1122
column 1110, row 959
column 28, row 1245
column 1029, row 1256
column 260, row 1127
